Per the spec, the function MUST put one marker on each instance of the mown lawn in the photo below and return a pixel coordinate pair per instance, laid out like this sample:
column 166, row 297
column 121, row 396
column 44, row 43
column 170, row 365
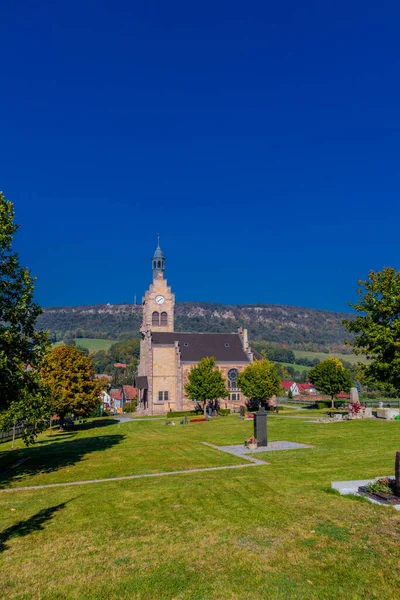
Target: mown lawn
column 266, row 532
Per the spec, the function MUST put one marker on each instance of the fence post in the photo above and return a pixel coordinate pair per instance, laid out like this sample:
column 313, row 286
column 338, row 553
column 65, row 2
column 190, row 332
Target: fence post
column 13, row 437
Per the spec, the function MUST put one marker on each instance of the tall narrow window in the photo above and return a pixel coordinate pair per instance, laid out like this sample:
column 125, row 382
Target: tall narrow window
column 165, row 396
column 164, row 319
column 159, row 264
column 155, row 318
column 160, row 396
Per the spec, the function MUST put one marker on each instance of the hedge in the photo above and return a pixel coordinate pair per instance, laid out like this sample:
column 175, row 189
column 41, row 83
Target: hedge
column 181, row 413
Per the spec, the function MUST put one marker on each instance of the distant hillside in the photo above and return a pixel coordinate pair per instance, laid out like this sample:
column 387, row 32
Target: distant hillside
column 296, row 327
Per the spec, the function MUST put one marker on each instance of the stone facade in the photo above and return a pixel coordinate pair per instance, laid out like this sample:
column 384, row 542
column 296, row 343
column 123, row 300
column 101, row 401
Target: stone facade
column 163, row 370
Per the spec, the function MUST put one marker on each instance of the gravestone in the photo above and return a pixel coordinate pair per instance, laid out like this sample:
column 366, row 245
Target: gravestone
column 397, row 475
column 241, row 412
column 186, row 420
column 354, row 394
column 368, row 412
column 260, row 427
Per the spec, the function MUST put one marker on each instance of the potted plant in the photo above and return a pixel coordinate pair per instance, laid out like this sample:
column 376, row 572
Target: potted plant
column 251, row 443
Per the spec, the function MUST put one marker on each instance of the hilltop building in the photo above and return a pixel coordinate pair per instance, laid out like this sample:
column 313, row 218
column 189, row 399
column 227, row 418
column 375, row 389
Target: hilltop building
column 166, row 356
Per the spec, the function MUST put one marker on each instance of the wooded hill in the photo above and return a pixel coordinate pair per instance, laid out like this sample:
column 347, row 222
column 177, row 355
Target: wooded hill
column 302, row 328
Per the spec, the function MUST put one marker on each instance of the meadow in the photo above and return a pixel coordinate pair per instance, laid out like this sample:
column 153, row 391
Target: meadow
column 351, row 358
column 271, row 531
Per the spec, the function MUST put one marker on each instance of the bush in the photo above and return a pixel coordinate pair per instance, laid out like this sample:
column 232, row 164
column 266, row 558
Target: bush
column 224, row 412
column 181, row 413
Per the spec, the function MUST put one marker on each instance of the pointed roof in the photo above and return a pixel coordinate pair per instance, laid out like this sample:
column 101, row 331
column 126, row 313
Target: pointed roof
column 158, row 252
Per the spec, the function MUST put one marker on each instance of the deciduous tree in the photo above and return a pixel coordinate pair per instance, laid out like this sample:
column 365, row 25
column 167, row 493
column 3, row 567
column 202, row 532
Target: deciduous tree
column 377, row 328
column 259, row 381
column 205, row 382
column 68, row 373
column 330, row 377
column 22, row 396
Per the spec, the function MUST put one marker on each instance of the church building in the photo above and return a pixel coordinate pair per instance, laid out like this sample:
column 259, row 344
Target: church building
column 166, row 356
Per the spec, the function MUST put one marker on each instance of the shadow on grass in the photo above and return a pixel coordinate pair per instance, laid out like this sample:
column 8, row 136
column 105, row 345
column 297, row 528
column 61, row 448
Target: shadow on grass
column 27, row 462
column 28, row 526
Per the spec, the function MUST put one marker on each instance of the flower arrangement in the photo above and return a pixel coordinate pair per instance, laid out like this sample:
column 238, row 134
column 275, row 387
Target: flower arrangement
column 384, row 485
column 251, row 443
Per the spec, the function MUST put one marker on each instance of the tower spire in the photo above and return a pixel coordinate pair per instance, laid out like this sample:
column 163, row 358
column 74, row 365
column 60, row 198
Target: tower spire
column 158, row 260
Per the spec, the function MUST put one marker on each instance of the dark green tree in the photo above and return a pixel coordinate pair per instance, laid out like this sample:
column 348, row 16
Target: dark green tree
column 206, row 383
column 330, row 377
column 22, row 395
column 377, row 328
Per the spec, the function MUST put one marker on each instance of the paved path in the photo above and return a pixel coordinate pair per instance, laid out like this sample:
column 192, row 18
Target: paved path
column 253, row 463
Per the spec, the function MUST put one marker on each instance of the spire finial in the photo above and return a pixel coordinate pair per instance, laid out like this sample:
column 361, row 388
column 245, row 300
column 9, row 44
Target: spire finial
column 158, row 238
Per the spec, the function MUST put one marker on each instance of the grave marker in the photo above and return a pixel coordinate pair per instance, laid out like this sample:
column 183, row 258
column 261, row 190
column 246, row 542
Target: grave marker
column 260, row 427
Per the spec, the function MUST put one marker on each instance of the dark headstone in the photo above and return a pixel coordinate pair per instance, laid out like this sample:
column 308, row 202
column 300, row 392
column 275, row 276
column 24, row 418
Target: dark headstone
column 186, row 420
column 242, row 412
column 260, row 427
column 397, row 475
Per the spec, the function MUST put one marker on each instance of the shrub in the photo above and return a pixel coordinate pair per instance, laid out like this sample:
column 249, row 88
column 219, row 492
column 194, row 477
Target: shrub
column 181, row 413
column 224, row 412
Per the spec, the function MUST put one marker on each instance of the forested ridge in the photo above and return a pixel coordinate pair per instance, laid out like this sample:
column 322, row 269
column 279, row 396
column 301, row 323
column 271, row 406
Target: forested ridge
column 296, row 327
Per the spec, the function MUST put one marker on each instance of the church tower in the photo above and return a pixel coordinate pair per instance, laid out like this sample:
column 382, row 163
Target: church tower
column 159, row 302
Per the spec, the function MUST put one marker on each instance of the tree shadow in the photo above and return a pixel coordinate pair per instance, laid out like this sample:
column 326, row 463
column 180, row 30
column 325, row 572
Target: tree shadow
column 20, row 464
column 34, row 523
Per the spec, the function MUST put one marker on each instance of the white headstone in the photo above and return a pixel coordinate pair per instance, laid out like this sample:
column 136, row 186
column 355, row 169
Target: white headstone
column 354, row 394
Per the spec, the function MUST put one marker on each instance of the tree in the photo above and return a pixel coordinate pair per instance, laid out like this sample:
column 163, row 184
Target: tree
column 22, row 395
column 205, row 382
column 330, row 377
column 68, row 373
column 377, row 328
column 259, row 381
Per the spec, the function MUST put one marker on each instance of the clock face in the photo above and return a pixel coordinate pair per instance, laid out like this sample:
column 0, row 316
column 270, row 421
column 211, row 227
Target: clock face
column 160, row 299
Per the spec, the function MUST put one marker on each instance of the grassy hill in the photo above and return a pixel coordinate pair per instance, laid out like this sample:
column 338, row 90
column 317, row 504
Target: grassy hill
column 302, row 328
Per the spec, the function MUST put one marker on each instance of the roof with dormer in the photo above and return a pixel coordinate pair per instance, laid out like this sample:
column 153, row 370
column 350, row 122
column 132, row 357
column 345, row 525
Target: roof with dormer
column 224, row 347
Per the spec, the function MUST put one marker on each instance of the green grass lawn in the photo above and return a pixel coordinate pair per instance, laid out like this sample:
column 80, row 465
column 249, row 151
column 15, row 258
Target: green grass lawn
column 267, row 532
column 93, row 345
column 297, row 368
column 352, row 358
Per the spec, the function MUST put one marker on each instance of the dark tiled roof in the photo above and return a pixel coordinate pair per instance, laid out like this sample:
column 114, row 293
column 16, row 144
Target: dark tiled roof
column 195, row 346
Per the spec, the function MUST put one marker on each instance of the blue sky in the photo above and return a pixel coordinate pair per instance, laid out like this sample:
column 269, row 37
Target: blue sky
column 260, row 139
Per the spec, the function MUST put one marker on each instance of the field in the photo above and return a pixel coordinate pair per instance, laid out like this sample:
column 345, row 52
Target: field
column 297, row 368
column 352, row 358
column 274, row 531
column 93, row 345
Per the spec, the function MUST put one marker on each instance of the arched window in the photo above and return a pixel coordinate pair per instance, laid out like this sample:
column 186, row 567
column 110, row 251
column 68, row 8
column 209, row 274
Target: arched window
column 233, row 374
column 164, row 319
column 154, row 264
column 155, row 318
column 159, row 264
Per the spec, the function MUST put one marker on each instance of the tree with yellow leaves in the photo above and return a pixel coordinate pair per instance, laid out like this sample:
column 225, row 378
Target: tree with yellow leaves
column 68, row 372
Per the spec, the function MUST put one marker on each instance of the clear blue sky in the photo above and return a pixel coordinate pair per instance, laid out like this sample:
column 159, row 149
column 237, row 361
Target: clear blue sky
column 261, row 139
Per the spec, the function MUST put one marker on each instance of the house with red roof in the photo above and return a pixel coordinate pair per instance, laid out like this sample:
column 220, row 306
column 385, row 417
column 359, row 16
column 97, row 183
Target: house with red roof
column 292, row 386
column 128, row 393
column 298, row 389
